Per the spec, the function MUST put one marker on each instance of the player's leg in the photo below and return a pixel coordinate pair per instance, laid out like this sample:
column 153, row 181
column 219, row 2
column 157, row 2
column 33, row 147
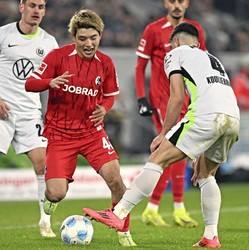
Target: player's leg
column 141, row 187
column 111, row 174
column 60, row 167
column 210, row 201
column 28, row 139
column 105, row 161
column 37, row 157
column 205, row 169
column 181, row 216
column 150, row 215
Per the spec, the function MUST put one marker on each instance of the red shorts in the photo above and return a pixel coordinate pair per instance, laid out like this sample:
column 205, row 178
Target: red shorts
column 61, row 157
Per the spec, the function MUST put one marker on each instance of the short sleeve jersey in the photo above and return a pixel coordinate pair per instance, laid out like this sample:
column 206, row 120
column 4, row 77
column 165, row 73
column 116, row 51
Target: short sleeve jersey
column 19, row 55
column 205, row 79
column 70, row 106
column 154, row 45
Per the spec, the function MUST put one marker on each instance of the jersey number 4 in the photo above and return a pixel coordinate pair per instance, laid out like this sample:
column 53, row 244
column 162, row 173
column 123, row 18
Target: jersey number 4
column 106, row 143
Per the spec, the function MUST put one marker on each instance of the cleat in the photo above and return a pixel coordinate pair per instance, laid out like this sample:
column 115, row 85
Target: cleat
column 183, row 219
column 46, row 230
column 49, row 207
column 204, row 242
column 152, row 217
column 106, row 217
column 125, row 240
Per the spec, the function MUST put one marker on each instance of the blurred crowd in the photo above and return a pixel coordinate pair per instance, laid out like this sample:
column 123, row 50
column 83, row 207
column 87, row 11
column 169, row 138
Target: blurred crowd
column 225, row 22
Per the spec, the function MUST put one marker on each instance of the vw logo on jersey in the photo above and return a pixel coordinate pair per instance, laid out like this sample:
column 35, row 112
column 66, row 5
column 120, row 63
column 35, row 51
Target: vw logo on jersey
column 40, row 52
column 22, row 68
column 98, row 80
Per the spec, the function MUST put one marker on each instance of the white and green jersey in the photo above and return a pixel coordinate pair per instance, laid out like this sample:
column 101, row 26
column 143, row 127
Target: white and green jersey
column 205, row 79
column 19, row 55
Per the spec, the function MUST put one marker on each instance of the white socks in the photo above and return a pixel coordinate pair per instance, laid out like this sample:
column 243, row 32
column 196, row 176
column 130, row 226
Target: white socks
column 41, row 192
column 152, row 206
column 179, row 205
column 141, row 187
column 210, row 202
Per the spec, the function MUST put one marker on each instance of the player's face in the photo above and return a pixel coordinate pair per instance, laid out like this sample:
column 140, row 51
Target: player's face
column 87, row 42
column 176, row 8
column 33, row 11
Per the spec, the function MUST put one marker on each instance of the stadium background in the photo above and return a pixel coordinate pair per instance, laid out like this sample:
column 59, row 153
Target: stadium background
column 227, row 36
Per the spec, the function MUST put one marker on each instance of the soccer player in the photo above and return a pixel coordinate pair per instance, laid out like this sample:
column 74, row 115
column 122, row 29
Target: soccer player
column 153, row 46
column 23, row 45
column 82, row 84
column 205, row 134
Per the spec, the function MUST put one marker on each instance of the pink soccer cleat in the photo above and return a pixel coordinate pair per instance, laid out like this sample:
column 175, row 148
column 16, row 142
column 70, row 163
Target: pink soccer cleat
column 204, row 242
column 106, row 217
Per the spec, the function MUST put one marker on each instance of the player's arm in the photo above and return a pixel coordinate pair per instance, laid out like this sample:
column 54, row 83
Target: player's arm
column 34, row 84
column 98, row 114
column 144, row 107
column 174, row 107
column 175, row 103
column 4, row 110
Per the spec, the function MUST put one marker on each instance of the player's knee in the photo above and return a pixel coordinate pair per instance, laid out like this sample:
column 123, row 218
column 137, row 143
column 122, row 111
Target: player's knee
column 55, row 194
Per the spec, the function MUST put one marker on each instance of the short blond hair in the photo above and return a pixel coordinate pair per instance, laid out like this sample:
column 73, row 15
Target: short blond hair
column 85, row 19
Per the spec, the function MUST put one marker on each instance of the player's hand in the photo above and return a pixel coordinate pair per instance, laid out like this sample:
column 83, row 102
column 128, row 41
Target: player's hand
column 60, row 80
column 194, row 176
column 98, row 115
column 156, row 142
column 4, row 110
column 144, row 107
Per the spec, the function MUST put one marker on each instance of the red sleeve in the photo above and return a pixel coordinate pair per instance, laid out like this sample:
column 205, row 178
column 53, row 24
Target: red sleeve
column 107, row 102
column 110, row 86
column 140, row 77
column 43, row 75
column 37, row 85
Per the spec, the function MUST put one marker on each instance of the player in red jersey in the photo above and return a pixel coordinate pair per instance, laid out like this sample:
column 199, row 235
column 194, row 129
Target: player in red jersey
column 82, row 83
column 153, row 46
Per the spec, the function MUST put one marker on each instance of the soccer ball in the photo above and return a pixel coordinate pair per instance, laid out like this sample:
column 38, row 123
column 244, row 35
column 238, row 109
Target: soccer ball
column 76, row 230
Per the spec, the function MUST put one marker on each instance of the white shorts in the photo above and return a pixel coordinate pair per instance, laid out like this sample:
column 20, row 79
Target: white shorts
column 213, row 135
column 23, row 132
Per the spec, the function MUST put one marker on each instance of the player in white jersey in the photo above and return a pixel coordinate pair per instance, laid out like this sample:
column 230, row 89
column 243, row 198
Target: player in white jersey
column 205, row 134
column 23, row 45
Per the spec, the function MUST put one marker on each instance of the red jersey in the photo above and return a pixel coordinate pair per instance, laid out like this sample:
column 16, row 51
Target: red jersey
column 70, row 106
column 153, row 46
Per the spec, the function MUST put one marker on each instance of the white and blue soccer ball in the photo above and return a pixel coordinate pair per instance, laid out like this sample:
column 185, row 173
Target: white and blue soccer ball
column 76, row 230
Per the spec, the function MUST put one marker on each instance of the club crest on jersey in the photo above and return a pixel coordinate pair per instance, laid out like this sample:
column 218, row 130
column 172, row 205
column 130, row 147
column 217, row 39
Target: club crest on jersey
column 40, row 52
column 98, row 80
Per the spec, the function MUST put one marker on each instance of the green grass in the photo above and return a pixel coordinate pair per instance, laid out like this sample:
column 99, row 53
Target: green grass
column 19, row 230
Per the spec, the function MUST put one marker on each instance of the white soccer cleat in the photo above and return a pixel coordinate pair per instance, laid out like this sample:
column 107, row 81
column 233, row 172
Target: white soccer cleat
column 46, row 230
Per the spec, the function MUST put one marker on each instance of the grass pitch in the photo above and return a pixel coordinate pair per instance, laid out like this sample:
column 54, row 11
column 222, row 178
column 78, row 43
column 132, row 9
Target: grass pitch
column 19, row 224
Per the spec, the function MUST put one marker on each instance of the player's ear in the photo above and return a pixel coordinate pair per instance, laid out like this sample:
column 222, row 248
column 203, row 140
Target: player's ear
column 73, row 37
column 21, row 7
column 187, row 3
column 165, row 4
